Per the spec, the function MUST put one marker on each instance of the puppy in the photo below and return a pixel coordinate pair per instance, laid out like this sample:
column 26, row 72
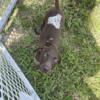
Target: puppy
column 48, row 54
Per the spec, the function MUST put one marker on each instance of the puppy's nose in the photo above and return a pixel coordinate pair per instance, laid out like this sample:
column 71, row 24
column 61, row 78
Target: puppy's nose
column 45, row 68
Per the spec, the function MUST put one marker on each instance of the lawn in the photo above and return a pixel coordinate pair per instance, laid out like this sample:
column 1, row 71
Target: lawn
column 77, row 77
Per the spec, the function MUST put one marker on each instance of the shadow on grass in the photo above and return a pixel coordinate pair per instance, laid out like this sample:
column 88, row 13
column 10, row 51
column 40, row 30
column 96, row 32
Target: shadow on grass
column 80, row 58
column 81, row 52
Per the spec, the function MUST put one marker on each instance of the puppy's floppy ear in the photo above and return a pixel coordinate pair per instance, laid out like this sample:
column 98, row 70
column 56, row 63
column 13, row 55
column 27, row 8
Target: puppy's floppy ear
column 38, row 53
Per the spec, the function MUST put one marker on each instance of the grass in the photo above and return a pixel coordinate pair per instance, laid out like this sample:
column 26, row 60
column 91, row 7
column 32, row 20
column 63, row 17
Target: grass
column 78, row 75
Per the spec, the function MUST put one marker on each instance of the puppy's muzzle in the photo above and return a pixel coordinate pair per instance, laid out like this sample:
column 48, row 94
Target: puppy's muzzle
column 45, row 68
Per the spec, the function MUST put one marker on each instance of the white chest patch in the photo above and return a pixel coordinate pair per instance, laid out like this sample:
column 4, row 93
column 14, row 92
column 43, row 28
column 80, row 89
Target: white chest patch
column 55, row 21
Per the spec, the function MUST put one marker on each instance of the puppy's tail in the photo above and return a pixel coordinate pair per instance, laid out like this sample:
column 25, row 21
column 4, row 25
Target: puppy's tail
column 57, row 4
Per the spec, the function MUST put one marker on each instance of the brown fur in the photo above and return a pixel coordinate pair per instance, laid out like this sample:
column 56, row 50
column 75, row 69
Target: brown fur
column 48, row 53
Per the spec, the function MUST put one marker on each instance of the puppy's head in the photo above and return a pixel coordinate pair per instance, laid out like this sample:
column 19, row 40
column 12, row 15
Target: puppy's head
column 47, row 56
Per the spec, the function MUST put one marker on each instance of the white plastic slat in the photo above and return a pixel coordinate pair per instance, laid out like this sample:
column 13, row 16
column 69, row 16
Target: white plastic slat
column 4, row 18
column 13, row 83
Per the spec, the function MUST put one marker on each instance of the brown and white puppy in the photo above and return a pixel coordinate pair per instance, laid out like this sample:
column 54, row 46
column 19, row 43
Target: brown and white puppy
column 48, row 53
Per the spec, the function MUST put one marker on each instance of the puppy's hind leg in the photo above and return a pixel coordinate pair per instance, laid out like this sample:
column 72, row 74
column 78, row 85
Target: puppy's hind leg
column 39, row 29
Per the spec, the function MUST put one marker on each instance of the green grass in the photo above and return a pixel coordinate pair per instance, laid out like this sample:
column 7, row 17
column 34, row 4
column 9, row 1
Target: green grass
column 73, row 78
